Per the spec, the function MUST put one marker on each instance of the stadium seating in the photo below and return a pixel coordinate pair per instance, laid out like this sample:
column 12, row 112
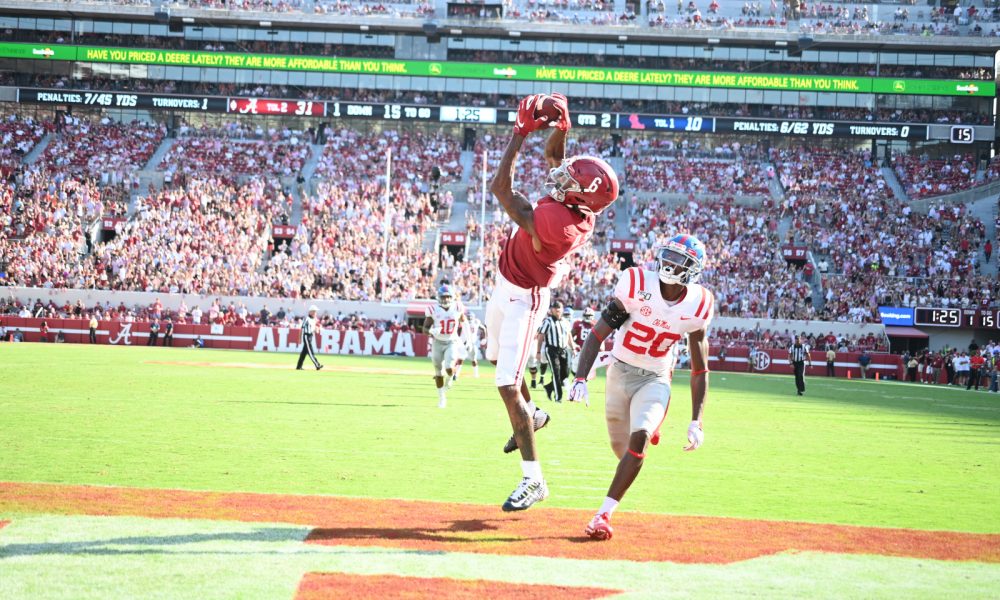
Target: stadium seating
column 745, row 268
column 362, row 261
column 224, row 156
column 668, row 166
column 17, row 138
column 827, row 173
column 108, row 150
column 924, row 177
column 765, row 338
column 353, row 155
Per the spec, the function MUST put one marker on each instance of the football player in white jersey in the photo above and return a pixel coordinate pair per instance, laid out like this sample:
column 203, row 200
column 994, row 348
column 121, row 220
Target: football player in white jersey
column 467, row 347
column 652, row 312
column 442, row 324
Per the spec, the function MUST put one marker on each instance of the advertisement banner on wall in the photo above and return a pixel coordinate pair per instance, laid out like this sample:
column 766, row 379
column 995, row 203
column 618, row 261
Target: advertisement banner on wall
column 259, row 339
column 896, row 316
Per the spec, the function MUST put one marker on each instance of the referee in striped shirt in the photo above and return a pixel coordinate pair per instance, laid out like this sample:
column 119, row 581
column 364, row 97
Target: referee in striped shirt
column 554, row 338
column 798, row 353
column 310, row 325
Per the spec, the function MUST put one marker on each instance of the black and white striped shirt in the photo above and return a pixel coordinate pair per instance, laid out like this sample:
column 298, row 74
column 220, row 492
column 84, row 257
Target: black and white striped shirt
column 308, row 326
column 798, row 353
column 555, row 333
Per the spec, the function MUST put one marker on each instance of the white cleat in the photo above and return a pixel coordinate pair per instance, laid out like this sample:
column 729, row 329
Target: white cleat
column 525, row 494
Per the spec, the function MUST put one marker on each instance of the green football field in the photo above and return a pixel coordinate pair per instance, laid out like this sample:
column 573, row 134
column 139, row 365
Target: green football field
column 230, row 474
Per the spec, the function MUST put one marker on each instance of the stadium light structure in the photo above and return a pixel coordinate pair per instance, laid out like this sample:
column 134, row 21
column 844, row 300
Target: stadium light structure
column 187, row 20
column 265, row 23
column 623, row 38
column 781, row 44
column 713, row 41
column 514, row 33
column 365, row 28
column 455, row 32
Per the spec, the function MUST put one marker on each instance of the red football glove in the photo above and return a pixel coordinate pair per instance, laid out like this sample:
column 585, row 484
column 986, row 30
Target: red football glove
column 564, row 123
column 526, row 121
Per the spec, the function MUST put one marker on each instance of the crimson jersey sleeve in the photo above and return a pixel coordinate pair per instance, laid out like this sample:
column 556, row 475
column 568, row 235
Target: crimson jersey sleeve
column 631, row 283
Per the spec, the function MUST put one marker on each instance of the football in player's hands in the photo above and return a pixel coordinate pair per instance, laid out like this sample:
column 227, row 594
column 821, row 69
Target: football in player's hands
column 539, row 111
column 552, row 110
column 556, row 109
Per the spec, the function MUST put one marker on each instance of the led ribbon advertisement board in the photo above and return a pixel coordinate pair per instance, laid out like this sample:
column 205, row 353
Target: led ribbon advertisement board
column 422, row 68
column 463, row 114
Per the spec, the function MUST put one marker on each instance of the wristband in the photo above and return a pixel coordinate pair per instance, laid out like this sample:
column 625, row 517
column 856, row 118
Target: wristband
column 693, row 373
column 579, row 380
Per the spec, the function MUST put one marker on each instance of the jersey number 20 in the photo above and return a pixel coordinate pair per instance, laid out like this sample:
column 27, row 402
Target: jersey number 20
column 642, row 339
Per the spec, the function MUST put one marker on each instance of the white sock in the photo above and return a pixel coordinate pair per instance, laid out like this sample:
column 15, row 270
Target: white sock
column 475, row 371
column 531, row 407
column 608, row 506
column 532, row 469
column 441, row 393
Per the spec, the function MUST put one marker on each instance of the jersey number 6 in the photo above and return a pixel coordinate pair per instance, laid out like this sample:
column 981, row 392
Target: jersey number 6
column 644, row 340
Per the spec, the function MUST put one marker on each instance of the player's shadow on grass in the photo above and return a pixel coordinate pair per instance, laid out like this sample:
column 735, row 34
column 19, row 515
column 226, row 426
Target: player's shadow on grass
column 453, row 533
column 147, row 544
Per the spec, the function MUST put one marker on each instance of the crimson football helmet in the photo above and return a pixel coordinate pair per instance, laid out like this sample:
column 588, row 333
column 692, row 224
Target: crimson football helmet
column 586, row 182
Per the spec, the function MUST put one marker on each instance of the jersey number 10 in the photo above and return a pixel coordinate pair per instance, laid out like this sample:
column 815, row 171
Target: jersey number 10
column 448, row 326
column 642, row 339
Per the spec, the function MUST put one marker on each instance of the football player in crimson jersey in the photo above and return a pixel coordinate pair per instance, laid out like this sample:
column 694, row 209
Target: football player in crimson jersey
column 652, row 311
column 531, row 262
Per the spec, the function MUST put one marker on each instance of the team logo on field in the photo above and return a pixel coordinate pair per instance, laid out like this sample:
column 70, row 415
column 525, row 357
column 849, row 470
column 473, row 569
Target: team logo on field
column 124, row 335
column 645, row 311
column 760, row 360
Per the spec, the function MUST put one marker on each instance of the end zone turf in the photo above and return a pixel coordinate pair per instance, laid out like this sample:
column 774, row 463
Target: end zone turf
column 548, row 532
column 321, row 586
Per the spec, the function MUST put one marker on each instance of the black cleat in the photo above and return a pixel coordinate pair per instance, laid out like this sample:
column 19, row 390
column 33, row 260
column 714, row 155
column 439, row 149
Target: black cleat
column 319, row 368
column 541, row 418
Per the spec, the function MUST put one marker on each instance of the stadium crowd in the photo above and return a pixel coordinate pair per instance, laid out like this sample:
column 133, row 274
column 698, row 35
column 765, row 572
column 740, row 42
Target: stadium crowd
column 669, row 165
column 106, row 149
column 353, row 154
column 284, row 156
column 871, row 248
column 215, row 312
column 923, row 177
column 765, row 338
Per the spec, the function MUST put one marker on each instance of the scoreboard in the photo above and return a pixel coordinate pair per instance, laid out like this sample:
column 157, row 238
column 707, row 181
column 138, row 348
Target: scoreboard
column 957, row 317
column 479, row 115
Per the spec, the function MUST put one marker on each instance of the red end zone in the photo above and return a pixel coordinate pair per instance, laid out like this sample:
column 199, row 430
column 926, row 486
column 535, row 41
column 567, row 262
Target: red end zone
column 317, row 586
column 552, row 532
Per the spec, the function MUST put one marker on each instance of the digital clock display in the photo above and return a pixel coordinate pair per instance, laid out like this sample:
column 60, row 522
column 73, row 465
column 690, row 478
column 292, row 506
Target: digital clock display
column 939, row 317
column 468, row 114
